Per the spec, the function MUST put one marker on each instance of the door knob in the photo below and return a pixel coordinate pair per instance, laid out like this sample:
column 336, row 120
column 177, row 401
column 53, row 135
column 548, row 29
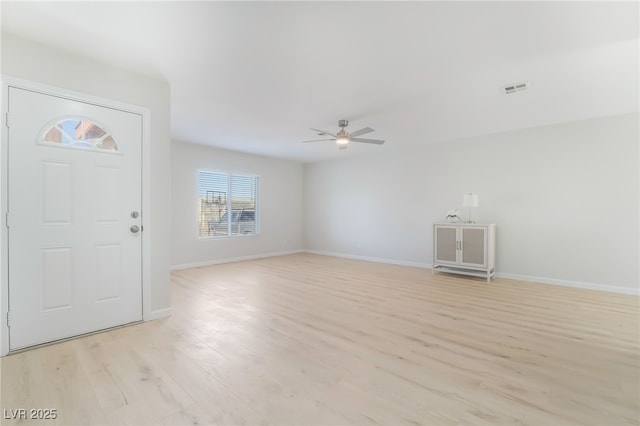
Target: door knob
column 135, row 228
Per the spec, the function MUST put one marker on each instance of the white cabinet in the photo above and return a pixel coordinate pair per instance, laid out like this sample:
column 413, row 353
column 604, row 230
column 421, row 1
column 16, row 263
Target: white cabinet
column 465, row 248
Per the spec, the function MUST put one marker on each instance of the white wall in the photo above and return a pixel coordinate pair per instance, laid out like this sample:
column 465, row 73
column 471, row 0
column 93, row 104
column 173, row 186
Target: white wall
column 564, row 198
column 280, row 206
column 30, row 61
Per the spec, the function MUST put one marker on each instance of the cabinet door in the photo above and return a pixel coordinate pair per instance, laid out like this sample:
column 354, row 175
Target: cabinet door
column 474, row 242
column 446, row 244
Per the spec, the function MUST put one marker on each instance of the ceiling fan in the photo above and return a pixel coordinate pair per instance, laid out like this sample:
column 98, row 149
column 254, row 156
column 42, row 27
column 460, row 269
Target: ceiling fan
column 342, row 138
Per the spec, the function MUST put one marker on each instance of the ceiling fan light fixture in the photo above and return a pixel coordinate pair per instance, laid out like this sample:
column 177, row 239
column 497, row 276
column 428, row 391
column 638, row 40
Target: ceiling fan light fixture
column 342, row 137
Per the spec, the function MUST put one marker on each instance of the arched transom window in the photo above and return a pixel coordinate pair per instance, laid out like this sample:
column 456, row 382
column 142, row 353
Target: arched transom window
column 80, row 133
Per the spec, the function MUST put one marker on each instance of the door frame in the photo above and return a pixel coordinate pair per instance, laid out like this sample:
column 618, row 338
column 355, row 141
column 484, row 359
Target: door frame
column 6, row 82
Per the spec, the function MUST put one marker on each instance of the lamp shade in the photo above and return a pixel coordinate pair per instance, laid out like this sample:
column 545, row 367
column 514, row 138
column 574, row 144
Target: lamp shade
column 470, row 200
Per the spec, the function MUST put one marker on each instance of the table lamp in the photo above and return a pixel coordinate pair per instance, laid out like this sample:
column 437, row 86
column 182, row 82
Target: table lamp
column 470, row 200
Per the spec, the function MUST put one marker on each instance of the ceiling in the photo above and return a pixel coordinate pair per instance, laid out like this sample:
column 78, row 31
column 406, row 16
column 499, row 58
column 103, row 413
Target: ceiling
column 255, row 76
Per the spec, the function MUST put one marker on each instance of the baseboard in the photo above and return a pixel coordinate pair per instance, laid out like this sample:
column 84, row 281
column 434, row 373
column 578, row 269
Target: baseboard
column 529, row 278
column 232, row 259
column 569, row 283
column 157, row 314
column 371, row 259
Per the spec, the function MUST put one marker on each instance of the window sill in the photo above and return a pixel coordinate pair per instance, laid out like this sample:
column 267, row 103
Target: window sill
column 228, row 237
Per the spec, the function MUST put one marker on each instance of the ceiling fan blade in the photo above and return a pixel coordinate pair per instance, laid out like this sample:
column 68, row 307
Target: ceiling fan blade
column 361, row 132
column 323, row 132
column 318, row 140
column 375, row 141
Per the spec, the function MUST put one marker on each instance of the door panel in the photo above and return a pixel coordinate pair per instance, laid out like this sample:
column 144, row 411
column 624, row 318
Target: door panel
column 473, row 244
column 74, row 266
column 108, row 272
column 56, row 192
column 446, row 244
column 57, row 273
column 106, row 184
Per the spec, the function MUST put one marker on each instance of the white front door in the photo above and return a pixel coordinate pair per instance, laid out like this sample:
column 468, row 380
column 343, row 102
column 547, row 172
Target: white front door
column 74, row 194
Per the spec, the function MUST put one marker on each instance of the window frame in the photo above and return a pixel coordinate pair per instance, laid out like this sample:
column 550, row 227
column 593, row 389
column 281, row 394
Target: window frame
column 229, row 199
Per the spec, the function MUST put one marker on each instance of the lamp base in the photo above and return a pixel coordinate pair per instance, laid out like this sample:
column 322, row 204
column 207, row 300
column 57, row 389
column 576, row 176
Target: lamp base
column 470, row 220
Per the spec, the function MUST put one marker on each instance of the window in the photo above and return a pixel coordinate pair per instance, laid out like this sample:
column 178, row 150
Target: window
column 79, row 133
column 222, row 193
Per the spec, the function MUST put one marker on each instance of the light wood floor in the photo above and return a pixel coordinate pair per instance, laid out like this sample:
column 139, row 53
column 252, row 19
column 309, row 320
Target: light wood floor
column 308, row 339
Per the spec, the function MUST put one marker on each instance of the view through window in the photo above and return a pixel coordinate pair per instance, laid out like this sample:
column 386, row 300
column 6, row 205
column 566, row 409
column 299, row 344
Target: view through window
column 227, row 204
column 80, row 133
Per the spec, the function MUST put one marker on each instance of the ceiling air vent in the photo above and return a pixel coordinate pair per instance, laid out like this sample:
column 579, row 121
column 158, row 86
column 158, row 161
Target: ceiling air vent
column 513, row 88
